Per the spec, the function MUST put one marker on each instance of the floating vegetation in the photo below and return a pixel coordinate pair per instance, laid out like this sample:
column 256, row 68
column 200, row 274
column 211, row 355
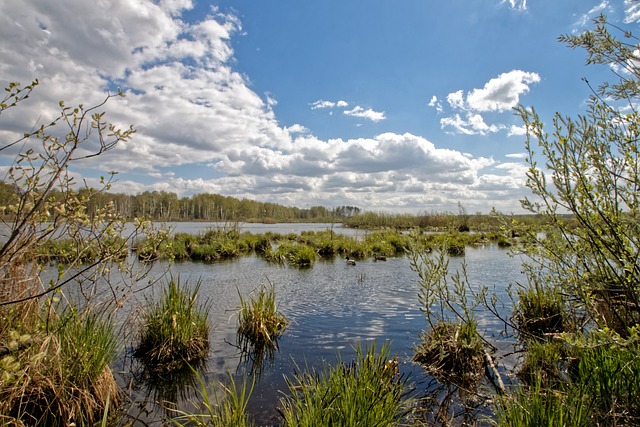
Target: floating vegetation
column 367, row 392
column 293, row 253
column 175, row 329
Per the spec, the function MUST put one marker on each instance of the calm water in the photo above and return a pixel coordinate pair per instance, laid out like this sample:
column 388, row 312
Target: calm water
column 331, row 308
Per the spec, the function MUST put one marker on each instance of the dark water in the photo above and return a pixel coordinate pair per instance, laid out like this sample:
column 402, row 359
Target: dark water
column 331, row 308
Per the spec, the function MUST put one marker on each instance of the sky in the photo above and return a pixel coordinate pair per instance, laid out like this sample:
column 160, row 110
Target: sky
column 389, row 106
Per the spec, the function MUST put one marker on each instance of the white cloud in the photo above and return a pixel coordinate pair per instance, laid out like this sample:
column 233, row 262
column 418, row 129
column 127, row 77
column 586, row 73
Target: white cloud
column 503, row 92
column 517, row 130
column 473, row 124
column 435, row 102
column 516, row 4
column 369, row 114
column 500, row 94
column 195, row 113
column 322, row 104
column 586, row 18
column 632, row 11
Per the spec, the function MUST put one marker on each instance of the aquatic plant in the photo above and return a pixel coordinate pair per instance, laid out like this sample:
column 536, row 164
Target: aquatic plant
column 293, row 253
column 539, row 311
column 260, row 324
column 175, row 329
column 366, row 392
column 542, row 363
column 227, row 408
column 535, row 406
column 452, row 352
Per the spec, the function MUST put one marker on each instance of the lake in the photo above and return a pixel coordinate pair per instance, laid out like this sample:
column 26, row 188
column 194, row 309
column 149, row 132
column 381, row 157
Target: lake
column 331, row 307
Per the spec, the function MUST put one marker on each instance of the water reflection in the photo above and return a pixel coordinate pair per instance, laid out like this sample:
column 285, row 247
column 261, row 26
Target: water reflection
column 331, row 309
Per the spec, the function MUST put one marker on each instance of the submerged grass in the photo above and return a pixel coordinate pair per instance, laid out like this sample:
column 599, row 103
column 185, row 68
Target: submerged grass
column 175, row 329
column 366, row 392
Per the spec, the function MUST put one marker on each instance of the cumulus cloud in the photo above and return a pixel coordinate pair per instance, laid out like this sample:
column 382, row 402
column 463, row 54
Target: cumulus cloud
column 369, row 114
column 194, row 112
column 499, row 94
column 503, row 92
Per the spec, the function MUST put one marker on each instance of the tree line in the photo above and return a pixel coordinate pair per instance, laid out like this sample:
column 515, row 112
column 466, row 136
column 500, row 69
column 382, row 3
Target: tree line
column 167, row 206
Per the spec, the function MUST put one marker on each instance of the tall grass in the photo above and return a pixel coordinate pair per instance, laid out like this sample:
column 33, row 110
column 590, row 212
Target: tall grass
column 227, row 408
column 260, row 324
column 175, row 329
column 539, row 311
column 61, row 376
column 366, row 392
column 537, row 406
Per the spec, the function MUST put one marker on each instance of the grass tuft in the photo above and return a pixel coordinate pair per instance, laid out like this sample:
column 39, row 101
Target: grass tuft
column 226, row 409
column 453, row 353
column 175, row 329
column 367, row 392
column 260, row 324
column 60, row 376
column 539, row 312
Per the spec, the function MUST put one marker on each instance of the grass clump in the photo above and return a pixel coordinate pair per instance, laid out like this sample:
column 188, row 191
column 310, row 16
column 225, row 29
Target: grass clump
column 367, row 392
column 529, row 406
column 293, row 253
column 175, row 329
column 452, row 352
column 227, row 408
column 539, row 312
column 60, row 375
column 260, row 324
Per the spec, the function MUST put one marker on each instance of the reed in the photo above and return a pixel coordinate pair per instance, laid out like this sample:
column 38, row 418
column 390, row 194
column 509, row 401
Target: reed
column 260, row 324
column 367, row 392
column 175, row 329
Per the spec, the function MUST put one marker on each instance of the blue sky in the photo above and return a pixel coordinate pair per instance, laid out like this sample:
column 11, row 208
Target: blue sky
column 396, row 106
